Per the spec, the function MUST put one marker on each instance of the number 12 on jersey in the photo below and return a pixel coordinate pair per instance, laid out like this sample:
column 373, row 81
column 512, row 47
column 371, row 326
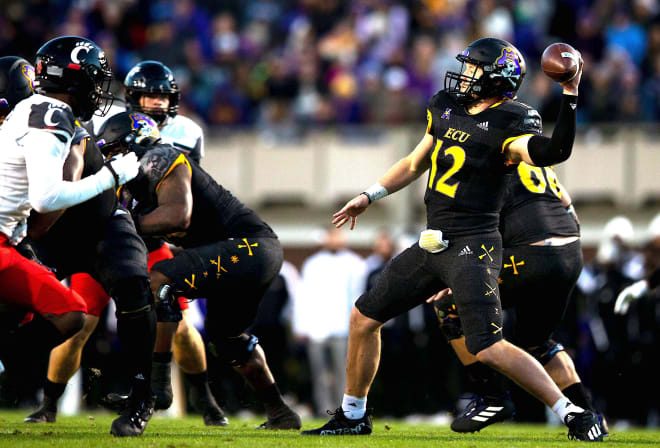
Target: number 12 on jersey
column 443, row 184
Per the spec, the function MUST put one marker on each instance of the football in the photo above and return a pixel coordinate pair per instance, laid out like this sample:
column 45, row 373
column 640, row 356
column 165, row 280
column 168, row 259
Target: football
column 560, row 62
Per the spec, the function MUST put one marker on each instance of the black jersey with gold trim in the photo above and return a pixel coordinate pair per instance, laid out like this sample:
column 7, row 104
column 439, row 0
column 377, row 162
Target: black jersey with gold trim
column 217, row 214
column 468, row 176
column 533, row 210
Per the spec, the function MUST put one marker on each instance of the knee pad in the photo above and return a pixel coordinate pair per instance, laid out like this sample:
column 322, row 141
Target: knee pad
column 449, row 325
column 167, row 306
column 235, row 350
column 546, row 351
column 133, row 297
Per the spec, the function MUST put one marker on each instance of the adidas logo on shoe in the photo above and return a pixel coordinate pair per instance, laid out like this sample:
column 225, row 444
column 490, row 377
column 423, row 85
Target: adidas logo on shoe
column 465, row 251
column 595, row 432
column 487, row 413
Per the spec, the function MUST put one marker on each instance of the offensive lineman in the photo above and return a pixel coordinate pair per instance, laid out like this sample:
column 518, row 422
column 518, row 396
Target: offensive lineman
column 149, row 86
column 475, row 132
column 230, row 256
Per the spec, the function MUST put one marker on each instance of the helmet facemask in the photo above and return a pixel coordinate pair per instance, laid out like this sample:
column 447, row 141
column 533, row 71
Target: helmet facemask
column 127, row 132
column 152, row 78
column 463, row 88
column 503, row 70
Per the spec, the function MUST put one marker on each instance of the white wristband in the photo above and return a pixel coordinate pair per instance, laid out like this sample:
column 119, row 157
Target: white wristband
column 375, row 192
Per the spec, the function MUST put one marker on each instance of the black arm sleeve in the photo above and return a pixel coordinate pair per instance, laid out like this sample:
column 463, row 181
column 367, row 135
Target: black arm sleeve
column 549, row 151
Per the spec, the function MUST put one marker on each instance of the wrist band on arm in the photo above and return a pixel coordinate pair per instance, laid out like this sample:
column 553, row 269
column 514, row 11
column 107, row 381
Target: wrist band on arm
column 375, row 192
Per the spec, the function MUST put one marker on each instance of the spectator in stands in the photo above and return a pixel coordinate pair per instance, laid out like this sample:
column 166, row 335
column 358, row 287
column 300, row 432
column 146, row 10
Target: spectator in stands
column 331, row 279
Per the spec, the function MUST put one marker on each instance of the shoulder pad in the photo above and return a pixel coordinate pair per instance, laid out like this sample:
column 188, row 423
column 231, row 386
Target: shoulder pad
column 79, row 134
column 439, row 99
column 54, row 118
column 527, row 121
column 158, row 162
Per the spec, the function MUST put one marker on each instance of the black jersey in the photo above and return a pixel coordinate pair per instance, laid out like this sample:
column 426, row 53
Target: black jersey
column 533, row 210
column 217, row 214
column 88, row 216
column 468, row 176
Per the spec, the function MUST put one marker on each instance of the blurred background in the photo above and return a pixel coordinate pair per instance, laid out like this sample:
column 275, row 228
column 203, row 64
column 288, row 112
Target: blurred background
column 305, row 103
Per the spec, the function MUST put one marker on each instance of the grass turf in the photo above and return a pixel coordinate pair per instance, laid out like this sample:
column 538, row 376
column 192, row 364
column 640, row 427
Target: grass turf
column 189, row 432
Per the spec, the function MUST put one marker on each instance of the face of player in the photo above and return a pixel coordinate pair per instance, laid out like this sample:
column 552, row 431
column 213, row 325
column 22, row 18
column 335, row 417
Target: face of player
column 155, row 101
column 471, row 71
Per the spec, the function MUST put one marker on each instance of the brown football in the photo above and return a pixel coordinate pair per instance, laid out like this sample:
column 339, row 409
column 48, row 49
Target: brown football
column 560, row 62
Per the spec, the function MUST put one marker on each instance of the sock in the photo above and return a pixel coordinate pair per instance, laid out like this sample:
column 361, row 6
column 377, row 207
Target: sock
column 137, row 335
column 271, row 397
column 354, row 407
column 197, row 379
column 162, row 357
column 52, row 393
column 563, row 407
column 200, row 390
column 484, row 381
column 579, row 396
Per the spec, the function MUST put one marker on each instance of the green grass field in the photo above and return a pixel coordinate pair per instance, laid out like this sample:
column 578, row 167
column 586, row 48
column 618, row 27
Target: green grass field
column 189, row 432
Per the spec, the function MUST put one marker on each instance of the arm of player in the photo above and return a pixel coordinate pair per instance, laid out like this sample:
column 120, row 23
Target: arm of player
column 40, row 223
column 538, row 150
column 175, row 204
column 401, row 174
column 44, row 158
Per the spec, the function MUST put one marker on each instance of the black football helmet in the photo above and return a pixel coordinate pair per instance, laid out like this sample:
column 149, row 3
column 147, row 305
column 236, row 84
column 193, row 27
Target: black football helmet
column 152, row 77
column 127, row 131
column 16, row 82
column 503, row 71
column 77, row 66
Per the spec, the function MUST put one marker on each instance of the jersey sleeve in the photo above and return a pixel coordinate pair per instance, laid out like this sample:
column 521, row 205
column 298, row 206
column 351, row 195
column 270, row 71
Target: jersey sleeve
column 55, row 119
column 79, row 134
column 527, row 122
column 159, row 162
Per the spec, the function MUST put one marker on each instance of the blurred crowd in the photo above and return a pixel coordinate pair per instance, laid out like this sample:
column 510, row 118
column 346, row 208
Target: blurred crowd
column 284, row 65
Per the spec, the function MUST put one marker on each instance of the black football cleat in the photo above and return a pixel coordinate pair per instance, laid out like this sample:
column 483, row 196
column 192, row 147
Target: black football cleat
column 339, row 425
column 205, row 403
column 41, row 415
column 213, row 416
column 584, row 426
column 134, row 418
column 161, row 384
column 482, row 412
column 286, row 419
column 115, row 401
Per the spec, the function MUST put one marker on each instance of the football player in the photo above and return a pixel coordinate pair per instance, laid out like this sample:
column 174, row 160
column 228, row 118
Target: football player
column 542, row 260
column 476, row 133
column 71, row 80
column 149, row 86
column 107, row 245
column 59, row 310
column 230, row 256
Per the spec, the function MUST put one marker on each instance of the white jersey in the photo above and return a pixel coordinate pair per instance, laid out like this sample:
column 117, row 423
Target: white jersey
column 37, row 132
column 181, row 132
column 185, row 135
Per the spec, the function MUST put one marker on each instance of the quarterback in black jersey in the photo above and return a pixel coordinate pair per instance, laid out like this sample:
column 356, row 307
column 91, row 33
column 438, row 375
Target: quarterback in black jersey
column 476, row 133
column 230, row 256
column 542, row 260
